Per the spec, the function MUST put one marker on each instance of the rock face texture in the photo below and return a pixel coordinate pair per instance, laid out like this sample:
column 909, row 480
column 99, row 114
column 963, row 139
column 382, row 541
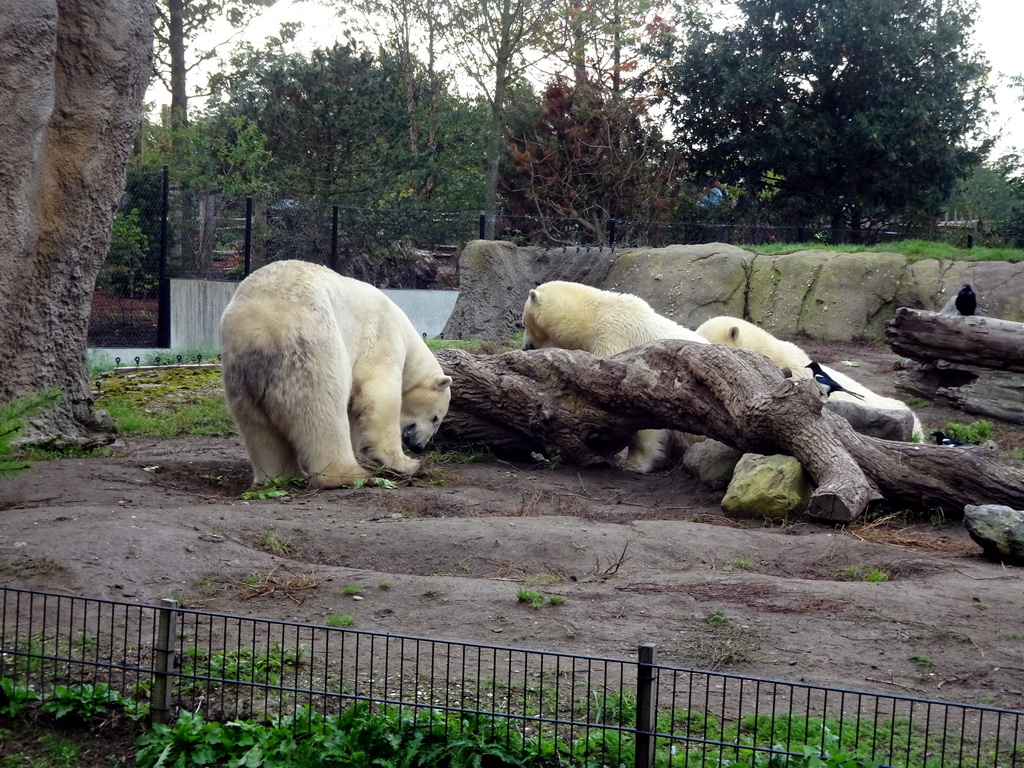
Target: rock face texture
column 820, row 294
column 72, row 79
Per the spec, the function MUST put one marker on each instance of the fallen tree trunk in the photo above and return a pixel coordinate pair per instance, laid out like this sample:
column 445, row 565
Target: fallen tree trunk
column 585, row 408
column 977, row 341
column 975, row 364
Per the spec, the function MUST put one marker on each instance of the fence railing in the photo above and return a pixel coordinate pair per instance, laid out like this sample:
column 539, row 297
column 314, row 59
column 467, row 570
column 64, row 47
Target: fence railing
column 633, row 712
column 162, row 232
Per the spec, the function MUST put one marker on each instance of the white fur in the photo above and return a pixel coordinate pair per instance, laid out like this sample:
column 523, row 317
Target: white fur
column 575, row 316
column 737, row 333
column 322, row 370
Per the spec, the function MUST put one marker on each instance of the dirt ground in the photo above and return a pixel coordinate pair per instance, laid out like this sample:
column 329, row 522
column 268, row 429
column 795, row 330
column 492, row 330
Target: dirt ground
column 636, row 559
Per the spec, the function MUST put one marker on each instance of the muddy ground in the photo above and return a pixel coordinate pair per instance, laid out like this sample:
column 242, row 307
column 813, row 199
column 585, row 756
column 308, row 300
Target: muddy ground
column 636, row 559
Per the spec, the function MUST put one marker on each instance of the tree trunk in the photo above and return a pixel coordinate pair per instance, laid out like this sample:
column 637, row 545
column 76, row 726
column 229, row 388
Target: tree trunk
column 179, row 73
column 74, row 75
column 586, row 408
column 977, row 341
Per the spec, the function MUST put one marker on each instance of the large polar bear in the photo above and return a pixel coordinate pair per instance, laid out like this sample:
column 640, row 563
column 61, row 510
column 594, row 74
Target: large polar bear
column 575, row 316
column 321, row 370
column 737, row 333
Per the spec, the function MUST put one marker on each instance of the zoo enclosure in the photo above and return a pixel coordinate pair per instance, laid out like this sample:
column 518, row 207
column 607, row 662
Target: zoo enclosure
column 636, row 712
column 162, row 232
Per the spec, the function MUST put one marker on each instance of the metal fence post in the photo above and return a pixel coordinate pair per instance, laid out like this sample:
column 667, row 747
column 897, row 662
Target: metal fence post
column 163, row 305
column 483, row 226
column 248, row 235
column 646, row 705
column 163, row 660
column 612, row 228
column 334, row 238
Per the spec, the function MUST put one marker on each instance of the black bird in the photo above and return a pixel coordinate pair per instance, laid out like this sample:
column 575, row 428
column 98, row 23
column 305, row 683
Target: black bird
column 829, row 384
column 941, row 439
column 966, row 302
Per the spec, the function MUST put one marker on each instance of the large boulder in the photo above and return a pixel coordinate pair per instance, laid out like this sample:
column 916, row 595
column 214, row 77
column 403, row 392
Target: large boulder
column 687, row 283
column 774, row 487
column 998, row 530
column 823, row 294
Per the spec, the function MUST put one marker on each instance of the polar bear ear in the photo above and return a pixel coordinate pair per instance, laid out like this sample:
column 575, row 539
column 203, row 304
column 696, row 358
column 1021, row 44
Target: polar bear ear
column 534, row 297
column 442, row 382
column 734, row 334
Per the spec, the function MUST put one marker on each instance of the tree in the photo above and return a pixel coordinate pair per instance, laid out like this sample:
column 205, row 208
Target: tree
column 350, row 111
column 496, row 42
column 177, row 24
column 589, row 156
column 75, row 75
column 855, row 110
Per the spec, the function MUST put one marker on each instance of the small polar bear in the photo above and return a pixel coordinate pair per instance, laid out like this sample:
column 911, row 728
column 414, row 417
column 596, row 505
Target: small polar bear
column 322, row 370
column 737, row 333
column 575, row 316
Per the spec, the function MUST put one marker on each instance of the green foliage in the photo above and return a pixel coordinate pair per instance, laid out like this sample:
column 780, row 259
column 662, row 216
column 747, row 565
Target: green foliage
column 128, row 270
column 13, row 417
column 856, row 112
column 85, row 702
column 167, row 402
column 976, row 432
column 344, row 620
column 533, row 599
column 244, row 666
column 914, row 250
column 14, row 699
column 278, row 488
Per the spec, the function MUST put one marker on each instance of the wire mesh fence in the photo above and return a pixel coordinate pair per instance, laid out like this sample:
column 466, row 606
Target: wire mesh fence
column 164, row 231
column 576, row 709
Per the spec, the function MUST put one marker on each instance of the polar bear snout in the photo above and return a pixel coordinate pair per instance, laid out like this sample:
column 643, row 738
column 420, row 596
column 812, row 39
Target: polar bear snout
column 410, row 439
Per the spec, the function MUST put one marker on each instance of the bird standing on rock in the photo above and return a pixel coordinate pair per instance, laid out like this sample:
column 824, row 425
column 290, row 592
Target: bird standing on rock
column 829, row 384
column 966, row 302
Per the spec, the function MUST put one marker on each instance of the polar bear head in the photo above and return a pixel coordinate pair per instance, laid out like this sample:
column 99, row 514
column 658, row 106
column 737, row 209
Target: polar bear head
column 560, row 314
column 424, row 405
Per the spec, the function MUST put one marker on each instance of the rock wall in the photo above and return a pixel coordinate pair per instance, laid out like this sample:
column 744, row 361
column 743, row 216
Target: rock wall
column 821, row 294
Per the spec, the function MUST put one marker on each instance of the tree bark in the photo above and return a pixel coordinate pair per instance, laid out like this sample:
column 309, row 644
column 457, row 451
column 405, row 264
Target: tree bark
column 73, row 77
column 586, row 408
column 978, row 341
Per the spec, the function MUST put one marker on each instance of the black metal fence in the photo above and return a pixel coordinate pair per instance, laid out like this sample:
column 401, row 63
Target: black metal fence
column 634, row 713
column 162, row 231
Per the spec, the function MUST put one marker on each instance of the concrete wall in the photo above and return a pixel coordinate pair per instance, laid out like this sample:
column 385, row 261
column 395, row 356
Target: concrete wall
column 196, row 307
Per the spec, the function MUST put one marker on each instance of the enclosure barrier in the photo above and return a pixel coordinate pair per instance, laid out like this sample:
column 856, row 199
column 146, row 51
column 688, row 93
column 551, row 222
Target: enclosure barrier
column 635, row 713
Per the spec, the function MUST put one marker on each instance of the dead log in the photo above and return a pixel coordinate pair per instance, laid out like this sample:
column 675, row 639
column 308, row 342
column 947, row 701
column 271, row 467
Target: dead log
column 585, row 408
column 984, row 342
column 975, row 364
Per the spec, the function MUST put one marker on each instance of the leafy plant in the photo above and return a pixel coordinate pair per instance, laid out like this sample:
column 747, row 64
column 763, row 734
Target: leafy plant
column 14, row 699
column 278, row 488
column 86, row 702
column 976, row 432
column 344, row 620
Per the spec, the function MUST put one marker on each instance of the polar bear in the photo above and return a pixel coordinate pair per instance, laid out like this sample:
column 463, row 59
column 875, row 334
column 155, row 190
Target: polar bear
column 575, row 316
column 322, row 370
column 737, row 333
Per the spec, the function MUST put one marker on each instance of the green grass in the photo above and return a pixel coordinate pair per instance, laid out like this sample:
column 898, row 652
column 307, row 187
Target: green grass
column 167, row 402
column 914, row 250
column 344, row 620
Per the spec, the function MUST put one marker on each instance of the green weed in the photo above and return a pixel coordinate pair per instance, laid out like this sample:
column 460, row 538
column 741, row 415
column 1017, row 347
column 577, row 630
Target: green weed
column 344, row 620
column 533, row 599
